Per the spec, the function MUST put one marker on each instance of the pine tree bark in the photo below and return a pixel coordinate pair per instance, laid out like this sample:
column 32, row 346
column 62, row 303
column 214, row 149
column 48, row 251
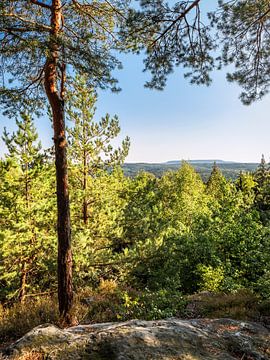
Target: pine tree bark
column 55, row 97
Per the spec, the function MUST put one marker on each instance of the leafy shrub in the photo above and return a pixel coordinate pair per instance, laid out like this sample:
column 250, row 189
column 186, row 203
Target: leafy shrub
column 263, row 285
column 211, row 278
column 112, row 303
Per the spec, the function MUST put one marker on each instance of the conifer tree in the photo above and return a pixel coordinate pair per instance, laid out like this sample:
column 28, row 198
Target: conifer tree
column 21, row 146
column 261, row 173
column 90, row 141
column 262, row 188
column 173, row 34
column 216, row 183
column 42, row 40
column 246, row 185
column 23, row 222
column 243, row 29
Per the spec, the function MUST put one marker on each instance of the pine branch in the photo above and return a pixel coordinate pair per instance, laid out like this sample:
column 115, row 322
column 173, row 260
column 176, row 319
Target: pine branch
column 41, row 4
column 180, row 17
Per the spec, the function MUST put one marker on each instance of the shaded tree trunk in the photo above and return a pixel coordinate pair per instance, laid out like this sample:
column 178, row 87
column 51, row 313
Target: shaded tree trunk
column 22, row 291
column 23, row 277
column 85, row 205
column 65, row 292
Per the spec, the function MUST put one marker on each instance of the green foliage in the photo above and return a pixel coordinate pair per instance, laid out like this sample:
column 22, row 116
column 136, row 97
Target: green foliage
column 154, row 238
column 229, row 170
column 212, row 278
column 147, row 240
column 263, row 285
column 243, row 27
column 27, row 240
column 216, row 184
column 113, row 303
column 95, row 180
column 216, row 228
column 173, row 35
column 25, row 29
column 90, row 141
column 94, row 243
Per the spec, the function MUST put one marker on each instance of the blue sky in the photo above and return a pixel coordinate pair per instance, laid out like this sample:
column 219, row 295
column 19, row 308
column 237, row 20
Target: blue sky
column 186, row 121
column 183, row 121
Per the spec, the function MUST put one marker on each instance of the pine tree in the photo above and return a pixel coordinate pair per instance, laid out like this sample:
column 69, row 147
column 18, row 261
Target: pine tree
column 42, row 40
column 94, row 244
column 173, row 34
column 26, row 210
column 243, row 28
column 90, row 141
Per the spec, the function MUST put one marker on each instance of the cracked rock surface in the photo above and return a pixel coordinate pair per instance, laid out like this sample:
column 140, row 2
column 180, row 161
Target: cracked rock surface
column 173, row 339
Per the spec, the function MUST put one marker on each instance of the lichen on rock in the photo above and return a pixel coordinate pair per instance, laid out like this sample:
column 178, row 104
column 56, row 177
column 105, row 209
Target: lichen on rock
column 172, row 339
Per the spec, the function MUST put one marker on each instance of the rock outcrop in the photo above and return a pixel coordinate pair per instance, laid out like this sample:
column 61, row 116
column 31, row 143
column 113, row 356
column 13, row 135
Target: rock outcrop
column 171, row 339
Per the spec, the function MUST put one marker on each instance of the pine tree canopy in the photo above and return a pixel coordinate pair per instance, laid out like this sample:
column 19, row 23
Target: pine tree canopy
column 83, row 44
column 173, row 34
column 243, row 27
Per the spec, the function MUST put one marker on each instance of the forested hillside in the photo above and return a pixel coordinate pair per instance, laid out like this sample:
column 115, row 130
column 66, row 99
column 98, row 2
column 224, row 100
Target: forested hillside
column 230, row 170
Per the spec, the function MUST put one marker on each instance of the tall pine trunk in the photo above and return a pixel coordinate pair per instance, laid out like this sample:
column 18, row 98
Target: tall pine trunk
column 55, row 96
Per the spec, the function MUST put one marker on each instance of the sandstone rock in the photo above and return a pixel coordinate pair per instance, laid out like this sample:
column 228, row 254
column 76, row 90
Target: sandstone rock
column 171, row 339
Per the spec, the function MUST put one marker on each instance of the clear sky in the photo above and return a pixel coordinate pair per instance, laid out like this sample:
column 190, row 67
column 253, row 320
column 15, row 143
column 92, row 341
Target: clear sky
column 182, row 122
column 186, row 121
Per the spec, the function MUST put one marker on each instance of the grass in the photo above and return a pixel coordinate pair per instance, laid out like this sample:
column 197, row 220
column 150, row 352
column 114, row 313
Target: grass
column 31, row 355
column 18, row 319
column 109, row 303
column 241, row 305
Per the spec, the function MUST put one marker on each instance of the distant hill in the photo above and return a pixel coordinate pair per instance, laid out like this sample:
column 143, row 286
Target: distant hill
column 175, row 162
column 229, row 169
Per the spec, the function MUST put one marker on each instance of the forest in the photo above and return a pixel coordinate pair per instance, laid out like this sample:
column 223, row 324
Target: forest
column 230, row 170
column 80, row 241
column 141, row 244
